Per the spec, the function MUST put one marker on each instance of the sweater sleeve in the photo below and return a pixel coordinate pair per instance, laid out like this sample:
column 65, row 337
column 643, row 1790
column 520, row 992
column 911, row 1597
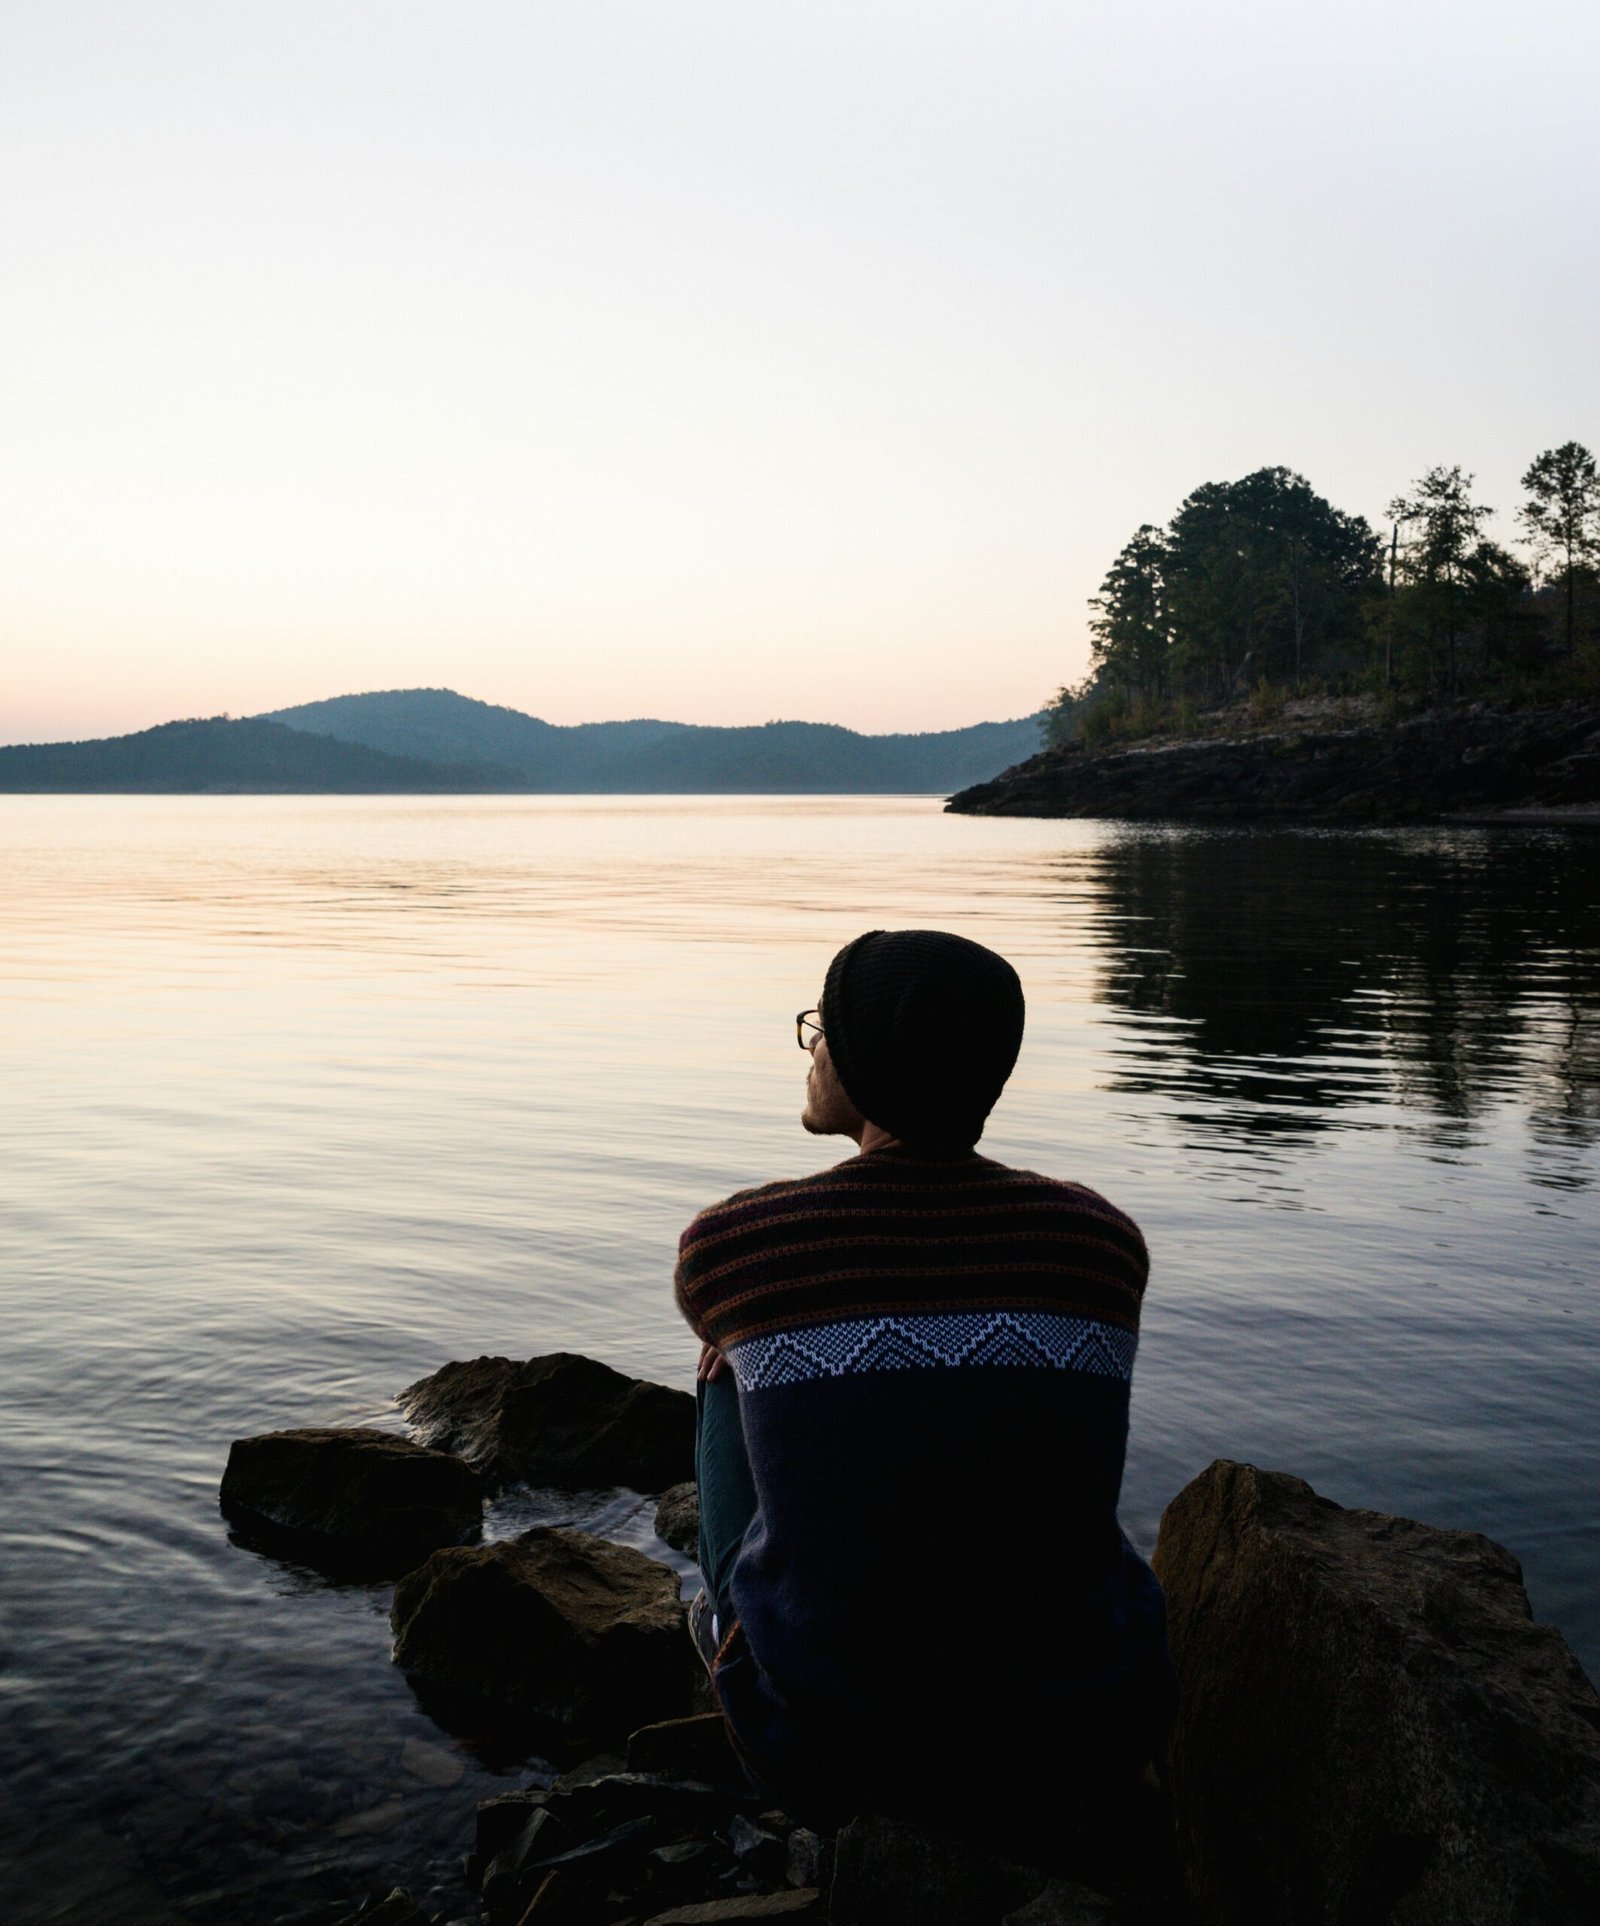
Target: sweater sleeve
column 682, row 1279
column 693, row 1248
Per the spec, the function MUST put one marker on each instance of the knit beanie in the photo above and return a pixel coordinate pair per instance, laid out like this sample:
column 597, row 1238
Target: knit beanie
column 923, row 1029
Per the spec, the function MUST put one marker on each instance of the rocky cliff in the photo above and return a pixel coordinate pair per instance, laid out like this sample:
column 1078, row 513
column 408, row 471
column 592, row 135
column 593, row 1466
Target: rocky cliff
column 1322, row 766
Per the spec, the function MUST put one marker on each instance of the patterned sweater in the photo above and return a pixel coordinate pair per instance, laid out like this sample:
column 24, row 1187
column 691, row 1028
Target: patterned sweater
column 933, row 1355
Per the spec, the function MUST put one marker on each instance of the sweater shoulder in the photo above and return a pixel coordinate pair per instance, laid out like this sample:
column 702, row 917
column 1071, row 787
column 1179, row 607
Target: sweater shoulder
column 758, row 1200
column 1069, row 1195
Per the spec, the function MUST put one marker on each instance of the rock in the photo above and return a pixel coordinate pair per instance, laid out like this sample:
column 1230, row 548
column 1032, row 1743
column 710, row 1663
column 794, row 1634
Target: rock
column 504, row 1818
column 678, row 1519
column 746, row 1910
column 889, row 1873
column 692, row 1748
column 593, row 1766
column 759, row 1850
column 1064, row 1903
column 561, row 1420
column 554, row 1629
column 809, row 1859
column 355, row 1497
column 368, row 1824
column 1370, row 1724
column 434, row 1765
column 1449, row 761
column 541, row 1838
column 630, row 1839
column 684, row 1803
column 399, row 1909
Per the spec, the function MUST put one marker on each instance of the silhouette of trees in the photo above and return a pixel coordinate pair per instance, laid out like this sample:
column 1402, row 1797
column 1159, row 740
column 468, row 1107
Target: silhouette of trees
column 1562, row 519
column 1261, row 586
column 1129, row 632
column 1439, row 524
column 1262, row 574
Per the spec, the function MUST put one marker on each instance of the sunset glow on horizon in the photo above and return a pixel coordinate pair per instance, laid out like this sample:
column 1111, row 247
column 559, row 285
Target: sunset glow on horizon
column 723, row 364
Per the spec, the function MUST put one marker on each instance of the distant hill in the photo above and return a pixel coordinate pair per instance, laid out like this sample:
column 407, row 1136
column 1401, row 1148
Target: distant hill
column 432, row 740
column 653, row 757
column 218, row 756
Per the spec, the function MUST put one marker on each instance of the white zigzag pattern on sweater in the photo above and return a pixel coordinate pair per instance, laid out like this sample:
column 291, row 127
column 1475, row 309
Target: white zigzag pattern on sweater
column 1040, row 1340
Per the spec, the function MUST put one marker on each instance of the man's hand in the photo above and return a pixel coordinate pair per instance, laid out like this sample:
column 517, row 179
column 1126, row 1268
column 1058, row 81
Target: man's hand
column 711, row 1366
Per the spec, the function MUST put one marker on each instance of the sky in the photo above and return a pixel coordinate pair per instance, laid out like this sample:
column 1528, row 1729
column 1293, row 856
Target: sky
column 734, row 361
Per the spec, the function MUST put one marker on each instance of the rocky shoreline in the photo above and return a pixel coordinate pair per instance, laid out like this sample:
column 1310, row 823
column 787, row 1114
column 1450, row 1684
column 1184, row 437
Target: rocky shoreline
column 1371, row 1725
column 1324, row 763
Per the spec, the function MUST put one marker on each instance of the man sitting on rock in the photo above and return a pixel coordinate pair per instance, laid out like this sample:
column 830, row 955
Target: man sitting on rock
column 914, row 1392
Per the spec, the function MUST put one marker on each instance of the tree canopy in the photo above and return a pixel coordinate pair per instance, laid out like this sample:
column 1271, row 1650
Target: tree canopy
column 1262, row 587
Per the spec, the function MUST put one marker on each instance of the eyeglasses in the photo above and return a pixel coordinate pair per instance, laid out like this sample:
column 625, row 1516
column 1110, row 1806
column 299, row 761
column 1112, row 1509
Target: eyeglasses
column 808, row 1029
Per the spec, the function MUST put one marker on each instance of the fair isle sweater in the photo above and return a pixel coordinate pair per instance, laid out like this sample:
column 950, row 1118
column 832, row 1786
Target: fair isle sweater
column 933, row 1355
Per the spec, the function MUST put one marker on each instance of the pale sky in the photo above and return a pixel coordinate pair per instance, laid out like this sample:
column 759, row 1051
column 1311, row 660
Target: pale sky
column 738, row 360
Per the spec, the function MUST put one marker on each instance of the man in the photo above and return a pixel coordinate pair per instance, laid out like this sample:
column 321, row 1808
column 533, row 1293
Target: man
column 914, row 1393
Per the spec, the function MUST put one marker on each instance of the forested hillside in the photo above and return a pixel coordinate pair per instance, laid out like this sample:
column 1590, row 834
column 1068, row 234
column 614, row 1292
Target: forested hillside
column 1261, row 588
column 649, row 756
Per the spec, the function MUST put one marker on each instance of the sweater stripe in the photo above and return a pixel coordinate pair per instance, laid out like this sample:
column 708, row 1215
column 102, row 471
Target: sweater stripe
column 965, row 1341
column 886, row 1234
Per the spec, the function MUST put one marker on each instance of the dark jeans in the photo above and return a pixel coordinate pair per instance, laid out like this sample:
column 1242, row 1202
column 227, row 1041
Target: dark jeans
column 727, row 1491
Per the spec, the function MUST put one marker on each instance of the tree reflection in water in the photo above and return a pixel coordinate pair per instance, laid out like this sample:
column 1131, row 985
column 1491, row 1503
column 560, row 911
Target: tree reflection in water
column 1262, row 979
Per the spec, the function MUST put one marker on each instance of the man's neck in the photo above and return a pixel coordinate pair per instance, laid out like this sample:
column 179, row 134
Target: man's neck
column 872, row 1138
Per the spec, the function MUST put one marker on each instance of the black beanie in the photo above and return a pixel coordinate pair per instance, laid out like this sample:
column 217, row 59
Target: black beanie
column 923, row 1029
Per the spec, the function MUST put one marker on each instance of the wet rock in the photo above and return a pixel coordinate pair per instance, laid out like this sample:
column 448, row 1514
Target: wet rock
column 504, row 1817
column 561, row 1420
column 691, row 1748
column 399, row 1909
column 628, row 1840
column 542, row 1838
column 369, row 1823
column 555, row 1630
column 354, row 1498
column 599, row 1803
column 678, row 1519
column 1370, row 1724
column 889, row 1873
column 434, row 1765
column 747, row 1909
column 597, row 1765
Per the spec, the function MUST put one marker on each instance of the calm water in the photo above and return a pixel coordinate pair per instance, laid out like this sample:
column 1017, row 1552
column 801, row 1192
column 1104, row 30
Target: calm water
column 305, row 1096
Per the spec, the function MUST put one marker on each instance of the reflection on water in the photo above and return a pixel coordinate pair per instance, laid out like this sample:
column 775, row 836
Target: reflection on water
column 305, row 1096
column 1447, row 973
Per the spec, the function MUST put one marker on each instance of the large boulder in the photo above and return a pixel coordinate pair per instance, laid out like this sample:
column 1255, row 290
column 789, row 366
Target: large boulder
column 1370, row 1726
column 562, row 1420
column 556, row 1631
column 350, row 1497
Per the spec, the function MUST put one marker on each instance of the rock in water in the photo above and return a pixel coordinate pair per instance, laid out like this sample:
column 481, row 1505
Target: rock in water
column 353, row 1498
column 553, row 1630
column 561, row 1420
column 1370, row 1724
column 678, row 1519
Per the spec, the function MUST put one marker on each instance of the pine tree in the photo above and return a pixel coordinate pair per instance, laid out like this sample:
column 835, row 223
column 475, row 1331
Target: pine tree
column 1562, row 516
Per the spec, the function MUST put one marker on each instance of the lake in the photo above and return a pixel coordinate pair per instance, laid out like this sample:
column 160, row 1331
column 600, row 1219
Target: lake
column 305, row 1096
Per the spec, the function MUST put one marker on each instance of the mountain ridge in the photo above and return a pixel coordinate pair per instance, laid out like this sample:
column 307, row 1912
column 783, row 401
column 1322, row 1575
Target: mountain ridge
column 647, row 755
column 218, row 755
column 436, row 741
